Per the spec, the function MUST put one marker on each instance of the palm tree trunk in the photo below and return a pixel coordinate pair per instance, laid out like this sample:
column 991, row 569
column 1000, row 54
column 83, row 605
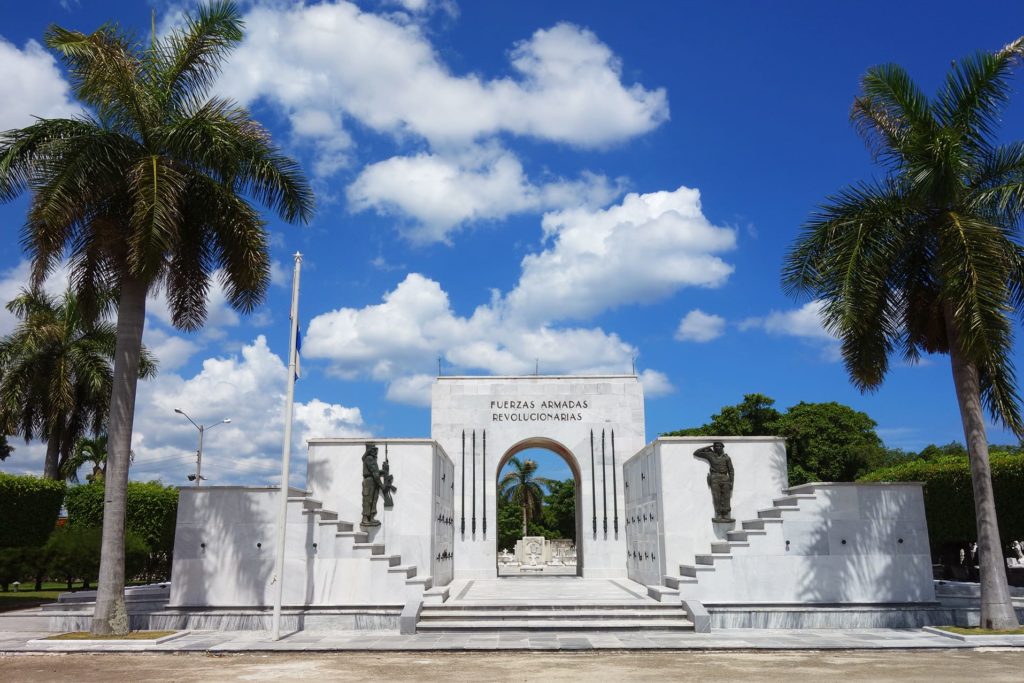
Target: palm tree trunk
column 50, row 465
column 110, row 616
column 996, row 607
column 524, row 520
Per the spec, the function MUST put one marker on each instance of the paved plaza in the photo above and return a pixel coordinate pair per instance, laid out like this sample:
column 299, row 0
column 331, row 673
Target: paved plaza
column 893, row 665
column 384, row 641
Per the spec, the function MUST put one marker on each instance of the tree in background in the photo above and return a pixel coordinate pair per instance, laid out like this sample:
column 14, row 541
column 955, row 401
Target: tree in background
column 929, row 259
column 559, row 513
column 150, row 191
column 521, row 487
column 754, row 416
column 824, row 441
column 5, row 448
column 86, row 451
column 55, row 373
column 829, row 442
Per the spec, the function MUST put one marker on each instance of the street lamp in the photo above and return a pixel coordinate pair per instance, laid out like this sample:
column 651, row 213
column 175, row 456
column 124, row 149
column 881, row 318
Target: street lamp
column 198, row 476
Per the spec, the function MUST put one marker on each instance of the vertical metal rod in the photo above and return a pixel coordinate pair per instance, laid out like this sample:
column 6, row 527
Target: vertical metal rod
column 286, row 454
column 463, row 482
column 604, row 484
column 474, row 483
column 593, row 481
column 615, row 486
column 484, row 487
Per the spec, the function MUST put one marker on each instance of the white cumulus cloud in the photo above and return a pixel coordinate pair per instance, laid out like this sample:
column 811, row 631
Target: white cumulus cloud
column 33, row 86
column 249, row 389
column 802, row 322
column 644, row 248
column 441, row 193
column 655, row 383
column 398, row 342
column 698, row 326
column 564, row 83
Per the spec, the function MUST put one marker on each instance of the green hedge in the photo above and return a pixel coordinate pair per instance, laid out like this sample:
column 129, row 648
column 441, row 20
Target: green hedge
column 74, row 553
column 29, row 507
column 949, row 498
column 152, row 515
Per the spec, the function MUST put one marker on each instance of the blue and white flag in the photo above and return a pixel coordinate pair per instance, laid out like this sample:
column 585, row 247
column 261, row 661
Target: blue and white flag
column 298, row 348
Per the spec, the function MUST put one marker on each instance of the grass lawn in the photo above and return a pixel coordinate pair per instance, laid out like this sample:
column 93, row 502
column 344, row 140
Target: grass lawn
column 976, row 631
column 132, row 635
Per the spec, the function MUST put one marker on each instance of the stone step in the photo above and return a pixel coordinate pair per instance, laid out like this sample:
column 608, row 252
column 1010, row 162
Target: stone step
column 694, row 569
column 358, row 536
column 374, row 548
column 347, row 526
column 147, row 593
column 727, row 546
column 792, row 499
column 759, row 524
column 407, row 569
column 323, row 515
column 307, row 502
column 392, row 560
column 24, row 620
column 770, row 513
column 432, row 595
column 710, row 559
column 739, row 535
column 664, row 594
column 474, row 625
column 436, row 612
column 678, row 581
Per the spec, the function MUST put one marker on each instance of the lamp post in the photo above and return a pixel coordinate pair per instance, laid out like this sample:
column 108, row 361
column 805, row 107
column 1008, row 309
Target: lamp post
column 198, row 476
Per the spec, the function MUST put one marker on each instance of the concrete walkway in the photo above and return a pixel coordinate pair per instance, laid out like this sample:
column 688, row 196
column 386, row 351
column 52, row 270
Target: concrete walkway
column 381, row 641
column 874, row 666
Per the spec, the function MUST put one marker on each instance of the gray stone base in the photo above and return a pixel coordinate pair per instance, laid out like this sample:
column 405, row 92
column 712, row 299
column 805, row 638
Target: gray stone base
column 782, row 616
column 245, row 619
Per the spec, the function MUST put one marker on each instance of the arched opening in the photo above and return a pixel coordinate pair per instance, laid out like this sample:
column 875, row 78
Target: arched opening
column 542, row 552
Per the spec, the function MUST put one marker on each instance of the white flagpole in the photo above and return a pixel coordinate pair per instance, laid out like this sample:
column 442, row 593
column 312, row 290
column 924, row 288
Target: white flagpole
column 286, row 452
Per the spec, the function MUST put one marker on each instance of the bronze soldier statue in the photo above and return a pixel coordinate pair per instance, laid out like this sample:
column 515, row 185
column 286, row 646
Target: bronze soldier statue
column 372, row 486
column 720, row 479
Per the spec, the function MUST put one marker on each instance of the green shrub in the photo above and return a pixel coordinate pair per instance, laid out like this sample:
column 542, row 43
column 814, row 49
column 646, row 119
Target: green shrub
column 949, row 498
column 23, row 564
column 10, row 566
column 29, row 507
column 74, row 553
column 152, row 514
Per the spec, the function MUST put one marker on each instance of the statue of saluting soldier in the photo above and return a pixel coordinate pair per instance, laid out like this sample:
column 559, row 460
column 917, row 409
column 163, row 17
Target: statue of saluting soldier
column 376, row 480
column 720, row 479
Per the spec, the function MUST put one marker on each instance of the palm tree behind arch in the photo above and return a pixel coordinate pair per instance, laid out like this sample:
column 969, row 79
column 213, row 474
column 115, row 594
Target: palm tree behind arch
column 521, row 487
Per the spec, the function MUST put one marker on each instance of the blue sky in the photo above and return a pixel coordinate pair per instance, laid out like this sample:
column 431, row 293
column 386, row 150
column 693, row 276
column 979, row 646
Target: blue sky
column 568, row 184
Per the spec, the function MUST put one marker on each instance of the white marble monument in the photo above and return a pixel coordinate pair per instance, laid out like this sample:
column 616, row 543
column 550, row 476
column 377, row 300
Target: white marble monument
column 644, row 511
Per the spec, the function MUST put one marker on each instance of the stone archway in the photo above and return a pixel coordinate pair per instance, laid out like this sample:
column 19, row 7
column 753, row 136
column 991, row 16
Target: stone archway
column 566, row 455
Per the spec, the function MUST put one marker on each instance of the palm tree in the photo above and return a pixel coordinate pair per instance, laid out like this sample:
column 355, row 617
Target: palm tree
column 88, row 450
column 149, row 192
column 520, row 487
column 55, row 373
column 928, row 259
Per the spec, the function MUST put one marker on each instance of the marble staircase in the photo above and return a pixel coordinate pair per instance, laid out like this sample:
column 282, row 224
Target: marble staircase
column 557, row 604
column 712, row 571
column 581, row 617
column 347, row 560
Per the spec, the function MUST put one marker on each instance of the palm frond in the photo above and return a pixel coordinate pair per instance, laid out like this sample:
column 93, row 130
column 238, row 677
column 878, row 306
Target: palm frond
column 975, row 92
column 891, row 113
column 107, row 74
column 189, row 59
